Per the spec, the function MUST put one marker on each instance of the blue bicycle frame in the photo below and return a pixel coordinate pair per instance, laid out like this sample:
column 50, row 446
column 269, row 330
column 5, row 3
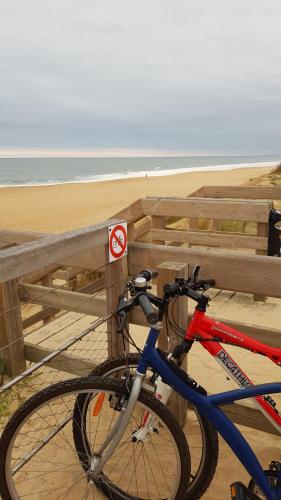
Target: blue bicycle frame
column 209, row 407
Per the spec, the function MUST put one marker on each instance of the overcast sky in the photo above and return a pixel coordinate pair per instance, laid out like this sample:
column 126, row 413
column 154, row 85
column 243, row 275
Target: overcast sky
column 184, row 75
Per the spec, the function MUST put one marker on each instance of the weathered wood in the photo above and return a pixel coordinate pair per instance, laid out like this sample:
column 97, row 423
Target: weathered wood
column 48, row 281
column 92, row 259
column 158, row 223
column 36, row 276
column 62, row 362
column 249, row 417
column 143, row 228
column 132, row 213
column 199, row 193
column 257, row 211
column 18, row 261
column 206, row 238
column 116, row 276
column 67, row 274
column 262, row 231
column 168, row 271
column 63, row 299
column 18, row 237
column 11, row 331
column 94, row 286
column 235, row 271
column 39, row 316
column 240, row 192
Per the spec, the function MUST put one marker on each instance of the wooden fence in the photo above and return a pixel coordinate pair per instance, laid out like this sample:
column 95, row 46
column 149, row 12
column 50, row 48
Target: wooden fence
column 31, row 264
column 239, row 192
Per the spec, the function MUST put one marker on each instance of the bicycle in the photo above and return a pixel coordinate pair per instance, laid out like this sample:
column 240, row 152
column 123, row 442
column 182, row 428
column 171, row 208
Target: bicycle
column 126, row 395
column 205, row 331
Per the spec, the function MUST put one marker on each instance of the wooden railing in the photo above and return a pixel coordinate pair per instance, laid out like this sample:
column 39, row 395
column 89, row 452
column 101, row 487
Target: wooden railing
column 31, row 258
column 31, row 263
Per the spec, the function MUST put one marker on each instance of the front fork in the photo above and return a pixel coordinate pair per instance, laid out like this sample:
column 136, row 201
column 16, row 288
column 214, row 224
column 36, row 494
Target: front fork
column 102, row 456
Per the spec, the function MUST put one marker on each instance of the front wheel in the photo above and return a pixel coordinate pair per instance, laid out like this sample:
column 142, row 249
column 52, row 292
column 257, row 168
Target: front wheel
column 39, row 460
column 201, row 436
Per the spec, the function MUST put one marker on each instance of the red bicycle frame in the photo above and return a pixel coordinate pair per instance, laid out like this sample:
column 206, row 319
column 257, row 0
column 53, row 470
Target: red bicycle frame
column 210, row 333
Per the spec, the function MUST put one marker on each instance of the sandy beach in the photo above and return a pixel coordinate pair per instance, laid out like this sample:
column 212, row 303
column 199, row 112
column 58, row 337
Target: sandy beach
column 63, row 207
column 60, row 208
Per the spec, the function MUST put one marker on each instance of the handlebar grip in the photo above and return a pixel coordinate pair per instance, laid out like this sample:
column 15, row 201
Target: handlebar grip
column 150, row 313
column 148, row 274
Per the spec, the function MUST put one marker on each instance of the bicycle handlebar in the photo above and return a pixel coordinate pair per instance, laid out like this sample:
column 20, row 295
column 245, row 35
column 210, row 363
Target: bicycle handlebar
column 150, row 313
column 140, row 296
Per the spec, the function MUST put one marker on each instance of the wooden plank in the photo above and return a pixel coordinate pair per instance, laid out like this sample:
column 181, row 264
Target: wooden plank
column 116, row 276
column 220, row 239
column 168, row 271
column 240, row 192
column 249, row 417
column 47, row 281
column 207, row 208
column 39, row 316
column 235, row 271
column 67, row 274
column 36, row 276
column 262, row 232
column 143, row 228
column 158, row 223
column 94, row 286
column 62, row 362
column 132, row 213
column 18, row 237
column 63, row 299
column 92, row 259
column 11, row 331
column 199, row 193
column 18, row 261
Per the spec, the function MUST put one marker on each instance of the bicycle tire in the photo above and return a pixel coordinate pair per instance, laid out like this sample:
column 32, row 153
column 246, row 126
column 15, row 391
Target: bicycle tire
column 200, row 478
column 56, row 398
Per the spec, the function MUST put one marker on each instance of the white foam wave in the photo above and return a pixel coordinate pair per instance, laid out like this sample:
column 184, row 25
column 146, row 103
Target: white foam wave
column 143, row 173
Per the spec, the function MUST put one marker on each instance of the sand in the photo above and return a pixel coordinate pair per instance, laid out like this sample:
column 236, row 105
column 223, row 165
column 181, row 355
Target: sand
column 64, row 207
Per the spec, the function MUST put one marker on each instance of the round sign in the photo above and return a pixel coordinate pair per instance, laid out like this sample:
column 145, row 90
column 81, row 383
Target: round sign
column 118, row 241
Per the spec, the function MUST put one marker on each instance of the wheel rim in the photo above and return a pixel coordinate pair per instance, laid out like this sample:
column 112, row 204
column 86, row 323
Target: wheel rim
column 193, row 427
column 54, row 475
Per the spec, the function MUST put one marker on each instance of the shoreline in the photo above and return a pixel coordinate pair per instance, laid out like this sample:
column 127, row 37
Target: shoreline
column 64, row 207
column 118, row 176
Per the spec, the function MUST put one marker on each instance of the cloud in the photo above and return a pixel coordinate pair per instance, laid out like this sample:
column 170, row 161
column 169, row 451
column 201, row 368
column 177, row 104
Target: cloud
column 172, row 75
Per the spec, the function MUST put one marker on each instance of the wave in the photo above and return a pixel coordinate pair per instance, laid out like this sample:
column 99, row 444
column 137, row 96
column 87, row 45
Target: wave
column 158, row 172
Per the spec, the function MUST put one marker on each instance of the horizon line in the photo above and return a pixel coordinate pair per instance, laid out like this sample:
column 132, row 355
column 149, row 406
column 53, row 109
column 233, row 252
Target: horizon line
column 6, row 152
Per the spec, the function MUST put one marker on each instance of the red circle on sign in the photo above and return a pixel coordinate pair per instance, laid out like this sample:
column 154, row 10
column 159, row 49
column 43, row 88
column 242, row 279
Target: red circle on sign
column 115, row 238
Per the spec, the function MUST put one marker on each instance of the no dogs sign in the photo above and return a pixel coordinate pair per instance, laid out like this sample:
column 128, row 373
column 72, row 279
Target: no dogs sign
column 117, row 239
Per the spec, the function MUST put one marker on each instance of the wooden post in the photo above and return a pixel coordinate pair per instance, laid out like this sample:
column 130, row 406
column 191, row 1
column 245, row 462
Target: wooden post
column 116, row 276
column 11, row 331
column 158, row 223
column 168, row 271
column 131, row 232
column 47, row 281
column 262, row 230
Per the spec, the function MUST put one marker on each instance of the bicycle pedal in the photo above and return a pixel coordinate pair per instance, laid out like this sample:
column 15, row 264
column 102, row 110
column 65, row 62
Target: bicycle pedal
column 240, row 492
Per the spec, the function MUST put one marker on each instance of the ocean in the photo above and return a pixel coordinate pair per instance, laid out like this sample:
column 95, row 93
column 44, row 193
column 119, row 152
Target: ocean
column 38, row 171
